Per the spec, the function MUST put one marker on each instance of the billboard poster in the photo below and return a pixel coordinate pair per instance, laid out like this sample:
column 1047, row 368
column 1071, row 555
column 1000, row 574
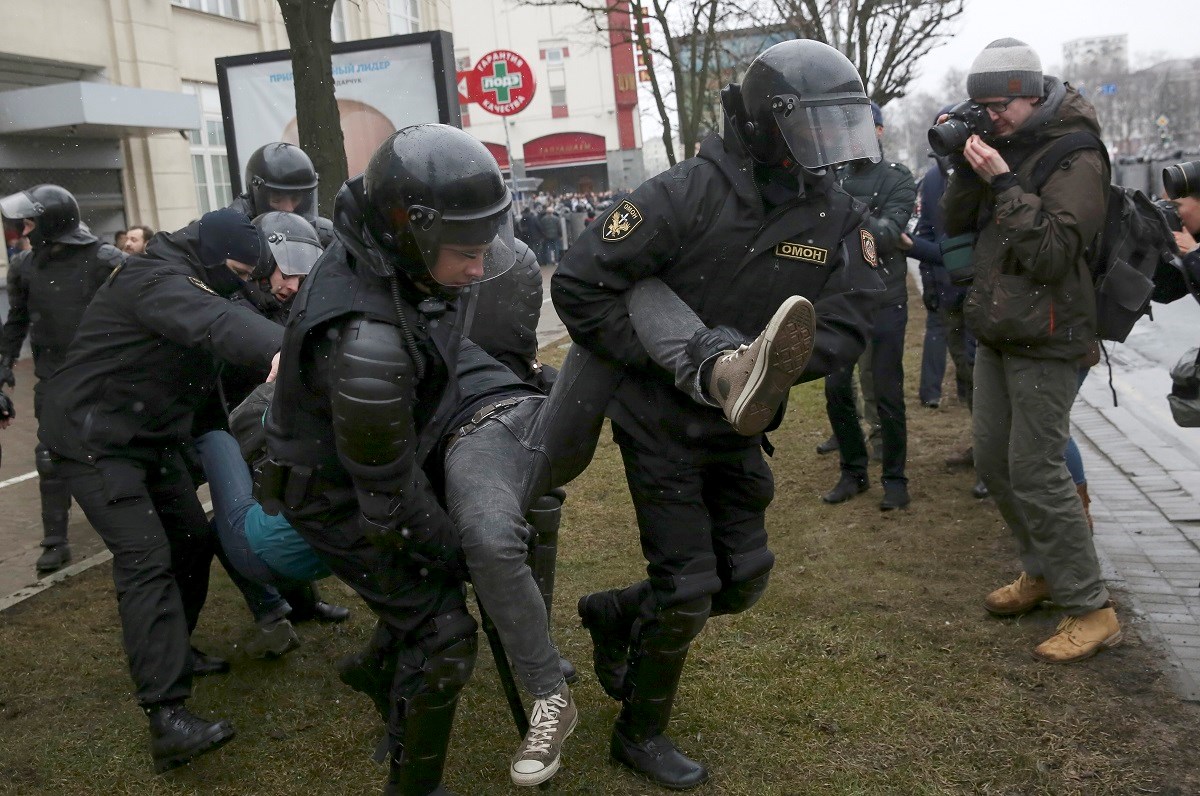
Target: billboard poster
column 381, row 85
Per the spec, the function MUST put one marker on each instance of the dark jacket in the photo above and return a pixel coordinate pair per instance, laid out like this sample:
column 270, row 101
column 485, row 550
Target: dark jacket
column 1032, row 293
column 143, row 358
column 48, row 290
column 701, row 228
column 928, row 236
column 890, row 194
column 303, row 431
column 548, row 223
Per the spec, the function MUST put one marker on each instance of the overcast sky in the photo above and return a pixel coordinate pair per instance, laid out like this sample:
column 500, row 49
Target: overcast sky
column 1170, row 27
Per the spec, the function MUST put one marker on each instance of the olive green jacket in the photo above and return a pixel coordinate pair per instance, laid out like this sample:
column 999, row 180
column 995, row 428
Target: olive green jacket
column 1032, row 294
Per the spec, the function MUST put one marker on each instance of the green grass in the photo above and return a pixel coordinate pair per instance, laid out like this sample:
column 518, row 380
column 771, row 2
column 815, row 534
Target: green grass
column 869, row 667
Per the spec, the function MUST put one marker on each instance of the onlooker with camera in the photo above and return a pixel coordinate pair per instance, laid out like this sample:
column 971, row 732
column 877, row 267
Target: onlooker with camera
column 889, row 192
column 1182, row 186
column 1032, row 308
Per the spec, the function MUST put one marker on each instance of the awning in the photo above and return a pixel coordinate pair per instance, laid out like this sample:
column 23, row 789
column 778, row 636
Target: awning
column 565, row 149
column 96, row 110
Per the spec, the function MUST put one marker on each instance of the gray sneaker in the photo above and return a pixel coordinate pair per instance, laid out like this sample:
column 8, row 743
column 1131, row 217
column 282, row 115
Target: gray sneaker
column 540, row 754
column 752, row 382
column 272, row 641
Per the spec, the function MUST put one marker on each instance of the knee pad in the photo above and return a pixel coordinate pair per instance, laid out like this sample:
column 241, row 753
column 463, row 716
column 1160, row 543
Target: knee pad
column 43, row 462
column 449, row 650
column 748, row 575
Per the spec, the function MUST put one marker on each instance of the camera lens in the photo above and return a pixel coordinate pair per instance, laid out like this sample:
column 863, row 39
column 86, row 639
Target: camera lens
column 1182, row 179
column 949, row 136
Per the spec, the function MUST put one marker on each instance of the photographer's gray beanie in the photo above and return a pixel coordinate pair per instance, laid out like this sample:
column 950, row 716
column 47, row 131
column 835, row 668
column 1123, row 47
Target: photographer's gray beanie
column 1005, row 68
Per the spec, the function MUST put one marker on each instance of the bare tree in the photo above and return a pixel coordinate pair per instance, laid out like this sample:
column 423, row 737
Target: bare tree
column 691, row 40
column 885, row 39
column 317, row 118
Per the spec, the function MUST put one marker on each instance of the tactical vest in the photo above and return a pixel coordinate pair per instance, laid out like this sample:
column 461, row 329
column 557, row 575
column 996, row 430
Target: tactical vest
column 299, row 424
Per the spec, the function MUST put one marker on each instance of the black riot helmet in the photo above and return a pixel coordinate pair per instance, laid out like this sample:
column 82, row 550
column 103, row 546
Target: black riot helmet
column 292, row 245
column 429, row 187
column 804, row 102
column 282, row 171
column 53, row 210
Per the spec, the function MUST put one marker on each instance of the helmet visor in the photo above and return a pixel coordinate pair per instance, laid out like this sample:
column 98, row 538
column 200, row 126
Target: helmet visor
column 301, row 201
column 824, row 134
column 20, row 205
column 293, row 255
column 467, row 251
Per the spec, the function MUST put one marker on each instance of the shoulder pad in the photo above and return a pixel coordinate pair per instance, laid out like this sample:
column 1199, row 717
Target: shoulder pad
column 900, row 167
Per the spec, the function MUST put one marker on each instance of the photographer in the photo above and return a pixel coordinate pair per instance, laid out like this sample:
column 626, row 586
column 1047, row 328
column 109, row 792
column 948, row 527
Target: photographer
column 1182, row 185
column 1032, row 309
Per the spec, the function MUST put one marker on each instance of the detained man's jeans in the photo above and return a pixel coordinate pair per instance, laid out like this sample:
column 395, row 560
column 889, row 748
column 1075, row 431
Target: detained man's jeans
column 494, row 473
column 232, row 491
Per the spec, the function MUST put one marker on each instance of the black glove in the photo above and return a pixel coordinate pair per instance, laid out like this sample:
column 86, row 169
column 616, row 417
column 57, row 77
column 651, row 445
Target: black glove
column 421, row 555
column 7, row 410
column 6, row 374
column 707, row 343
column 931, row 299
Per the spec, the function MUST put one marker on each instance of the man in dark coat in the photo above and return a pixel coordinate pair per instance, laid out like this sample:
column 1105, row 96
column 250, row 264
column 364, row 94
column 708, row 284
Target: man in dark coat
column 118, row 413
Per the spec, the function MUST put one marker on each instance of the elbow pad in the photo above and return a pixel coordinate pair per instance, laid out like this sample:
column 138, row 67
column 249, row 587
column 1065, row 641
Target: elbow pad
column 374, row 385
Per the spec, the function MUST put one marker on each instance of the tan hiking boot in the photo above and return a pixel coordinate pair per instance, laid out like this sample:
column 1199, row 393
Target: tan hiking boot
column 751, row 382
column 1022, row 595
column 1080, row 637
column 540, row 754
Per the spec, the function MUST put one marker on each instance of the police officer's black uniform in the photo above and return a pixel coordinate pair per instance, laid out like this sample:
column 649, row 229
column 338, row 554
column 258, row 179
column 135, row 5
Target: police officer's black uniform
column 366, row 395
column 116, row 416
column 889, row 191
column 733, row 236
column 49, row 287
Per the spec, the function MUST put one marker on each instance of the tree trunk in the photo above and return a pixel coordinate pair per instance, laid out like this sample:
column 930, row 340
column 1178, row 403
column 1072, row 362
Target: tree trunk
column 307, row 23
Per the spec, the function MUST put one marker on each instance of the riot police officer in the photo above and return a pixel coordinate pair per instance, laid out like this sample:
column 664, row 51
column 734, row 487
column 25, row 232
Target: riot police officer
column 281, row 176
column 117, row 414
column 49, row 287
column 366, row 393
column 755, row 218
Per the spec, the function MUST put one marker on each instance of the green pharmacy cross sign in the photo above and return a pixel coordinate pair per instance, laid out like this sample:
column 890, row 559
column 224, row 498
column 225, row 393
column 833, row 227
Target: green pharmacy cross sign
column 506, row 83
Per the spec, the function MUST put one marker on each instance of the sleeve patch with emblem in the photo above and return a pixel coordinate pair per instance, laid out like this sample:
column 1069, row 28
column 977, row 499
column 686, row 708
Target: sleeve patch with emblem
column 201, row 285
column 623, row 220
column 868, row 248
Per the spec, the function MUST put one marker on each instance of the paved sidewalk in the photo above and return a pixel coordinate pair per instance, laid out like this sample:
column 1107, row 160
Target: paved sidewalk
column 1144, row 481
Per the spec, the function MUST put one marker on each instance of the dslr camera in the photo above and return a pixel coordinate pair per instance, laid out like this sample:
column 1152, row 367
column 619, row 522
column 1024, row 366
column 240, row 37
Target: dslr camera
column 1180, row 180
column 965, row 119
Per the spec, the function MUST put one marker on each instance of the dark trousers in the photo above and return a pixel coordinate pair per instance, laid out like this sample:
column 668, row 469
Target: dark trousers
column 960, row 342
column 933, row 359
column 148, row 515
column 887, row 366
column 702, row 522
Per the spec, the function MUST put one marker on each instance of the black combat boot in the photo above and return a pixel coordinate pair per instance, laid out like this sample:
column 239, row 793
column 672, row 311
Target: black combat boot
column 177, row 737
column 849, row 485
column 204, row 664
column 308, row 606
column 56, row 516
column 638, row 739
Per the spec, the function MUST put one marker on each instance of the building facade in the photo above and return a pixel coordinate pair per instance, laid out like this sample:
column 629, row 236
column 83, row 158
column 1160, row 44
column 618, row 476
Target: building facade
column 581, row 131
column 116, row 100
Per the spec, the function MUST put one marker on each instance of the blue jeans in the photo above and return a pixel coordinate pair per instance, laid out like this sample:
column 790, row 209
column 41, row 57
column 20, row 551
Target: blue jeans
column 933, row 359
column 232, row 491
column 493, row 474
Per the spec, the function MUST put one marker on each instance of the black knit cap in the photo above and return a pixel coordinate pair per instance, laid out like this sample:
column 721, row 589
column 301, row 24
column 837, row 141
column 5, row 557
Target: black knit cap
column 226, row 234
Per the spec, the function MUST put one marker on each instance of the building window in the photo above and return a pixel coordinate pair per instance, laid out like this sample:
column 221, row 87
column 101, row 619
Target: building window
column 210, row 163
column 403, row 16
column 337, row 21
column 557, row 82
column 553, row 52
column 224, row 8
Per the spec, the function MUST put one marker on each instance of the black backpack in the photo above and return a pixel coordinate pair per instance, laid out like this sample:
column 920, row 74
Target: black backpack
column 1134, row 245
